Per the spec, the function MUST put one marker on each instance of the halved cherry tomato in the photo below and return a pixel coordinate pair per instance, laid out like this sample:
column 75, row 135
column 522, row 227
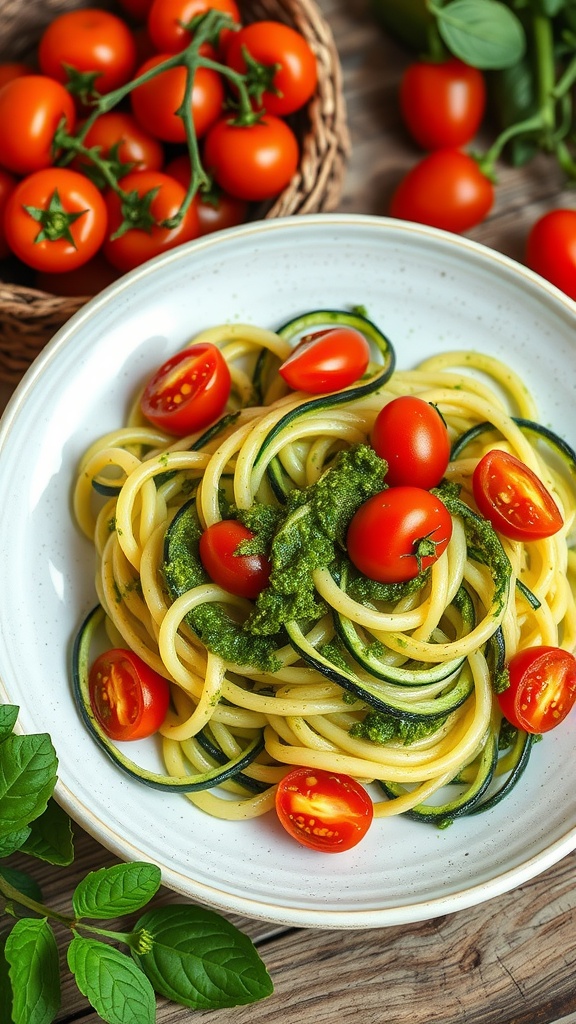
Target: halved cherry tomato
column 128, row 698
column 542, row 688
column 286, row 75
column 92, row 41
column 445, row 189
column 442, row 102
column 412, row 436
column 243, row 575
column 513, row 499
column 189, row 391
column 323, row 810
column 155, row 102
column 398, row 533
column 326, row 361
column 35, row 104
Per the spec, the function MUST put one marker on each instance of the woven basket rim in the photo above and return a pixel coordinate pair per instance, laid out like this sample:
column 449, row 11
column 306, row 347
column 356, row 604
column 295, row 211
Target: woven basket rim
column 30, row 316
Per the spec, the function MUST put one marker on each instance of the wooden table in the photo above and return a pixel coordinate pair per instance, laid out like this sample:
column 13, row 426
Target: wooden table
column 510, row 961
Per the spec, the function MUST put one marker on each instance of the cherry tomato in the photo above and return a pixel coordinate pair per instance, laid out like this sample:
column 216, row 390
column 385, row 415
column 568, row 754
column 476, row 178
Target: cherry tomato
column 7, row 185
column 446, row 189
column 326, row 361
column 189, row 391
column 243, row 575
column 167, row 19
column 55, row 220
column 89, row 279
column 542, row 688
column 412, row 436
column 13, row 69
column 36, row 105
column 128, row 698
column 254, row 162
column 155, row 103
column 398, row 533
column 551, row 249
column 513, row 499
column 139, row 244
column 323, row 810
column 216, row 210
column 289, row 74
column 443, row 103
column 91, row 41
column 120, row 132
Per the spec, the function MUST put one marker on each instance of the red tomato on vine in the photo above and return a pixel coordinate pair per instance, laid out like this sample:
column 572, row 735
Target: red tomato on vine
column 286, row 75
column 447, row 190
column 155, row 102
column 254, row 162
column 31, row 108
column 92, row 41
column 167, row 20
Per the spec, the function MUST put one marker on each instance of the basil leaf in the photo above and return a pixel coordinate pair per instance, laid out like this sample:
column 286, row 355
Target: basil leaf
column 5, row 987
column 34, row 972
column 112, row 892
column 28, row 766
column 51, row 836
column 198, row 959
column 8, row 716
column 13, row 841
column 483, row 33
column 25, row 884
column 111, row 982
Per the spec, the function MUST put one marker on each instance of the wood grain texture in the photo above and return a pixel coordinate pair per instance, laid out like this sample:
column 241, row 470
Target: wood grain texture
column 509, row 961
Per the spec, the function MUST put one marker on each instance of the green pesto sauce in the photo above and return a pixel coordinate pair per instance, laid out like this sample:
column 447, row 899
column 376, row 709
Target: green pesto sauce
column 380, row 728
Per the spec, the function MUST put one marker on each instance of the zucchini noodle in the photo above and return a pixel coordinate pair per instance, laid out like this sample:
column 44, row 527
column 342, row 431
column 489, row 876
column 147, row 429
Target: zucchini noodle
column 430, row 657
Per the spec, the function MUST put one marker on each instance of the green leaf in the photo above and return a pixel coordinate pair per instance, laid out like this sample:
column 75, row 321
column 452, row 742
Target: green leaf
column 25, row 884
column 198, row 959
column 32, row 954
column 483, row 33
column 14, row 841
column 116, row 988
column 8, row 716
column 28, row 766
column 121, row 889
column 51, row 836
column 5, row 986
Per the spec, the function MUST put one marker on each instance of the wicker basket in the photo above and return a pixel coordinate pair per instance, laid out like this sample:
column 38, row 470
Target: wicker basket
column 28, row 317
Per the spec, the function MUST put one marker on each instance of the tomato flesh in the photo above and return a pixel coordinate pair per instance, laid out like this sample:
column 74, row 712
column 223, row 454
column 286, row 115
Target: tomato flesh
column 243, row 575
column 542, row 689
column 513, row 499
column 326, row 361
column 398, row 533
column 323, row 810
column 128, row 698
column 189, row 391
column 411, row 436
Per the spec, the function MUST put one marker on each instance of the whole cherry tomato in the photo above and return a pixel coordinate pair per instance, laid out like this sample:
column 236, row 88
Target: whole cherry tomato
column 216, row 209
column 167, row 19
column 551, row 249
column 442, row 103
column 254, row 162
column 13, row 69
column 31, row 108
column 412, row 436
column 513, row 498
column 188, row 391
column 93, row 42
column 7, row 185
column 148, row 237
column 55, row 220
column 288, row 73
column 243, row 575
column 446, row 189
column 322, row 810
column 155, row 102
column 326, row 361
column 118, row 133
column 542, row 688
column 398, row 533
column 129, row 699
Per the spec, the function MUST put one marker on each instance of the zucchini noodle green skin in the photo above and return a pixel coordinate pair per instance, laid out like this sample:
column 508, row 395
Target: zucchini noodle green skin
column 190, row 784
column 553, row 440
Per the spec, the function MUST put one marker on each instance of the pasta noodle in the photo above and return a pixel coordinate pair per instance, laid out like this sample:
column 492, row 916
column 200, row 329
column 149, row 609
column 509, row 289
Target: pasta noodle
column 312, row 700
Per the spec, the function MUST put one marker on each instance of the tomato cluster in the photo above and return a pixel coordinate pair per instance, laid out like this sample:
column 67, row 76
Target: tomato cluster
column 141, row 131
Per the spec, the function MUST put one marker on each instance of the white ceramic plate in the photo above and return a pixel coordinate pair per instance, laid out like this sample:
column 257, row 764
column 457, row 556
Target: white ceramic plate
column 428, row 291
